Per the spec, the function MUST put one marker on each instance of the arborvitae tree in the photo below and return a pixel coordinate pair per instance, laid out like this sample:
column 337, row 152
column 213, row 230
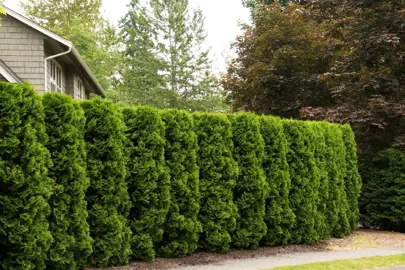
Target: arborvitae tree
column 352, row 177
column 251, row 189
column 322, row 188
column 65, row 126
column 279, row 217
column 302, row 197
column 337, row 203
column 107, row 197
column 182, row 228
column 148, row 179
column 218, row 174
column 24, row 183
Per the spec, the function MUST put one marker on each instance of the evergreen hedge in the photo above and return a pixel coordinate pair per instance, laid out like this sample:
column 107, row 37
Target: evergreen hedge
column 182, row 228
column 65, row 126
column 303, row 174
column 168, row 182
column 279, row 217
column 24, row 183
column 218, row 173
column 383, row 196
column 352, row 177
column 107, row 197
column 148, row 179
column 251, row 189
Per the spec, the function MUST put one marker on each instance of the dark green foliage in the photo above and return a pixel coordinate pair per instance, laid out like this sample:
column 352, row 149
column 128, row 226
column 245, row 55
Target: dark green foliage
column 352, row 176
column 382, row 202
column 24, row 183
column 322, row 186
column 279, row 217
column 65, row 126
column 107, row 197
column 148, row 179
column 182, row 228
column 218, row 174
column 336, row 163
column 251, row 189
column 302, row 167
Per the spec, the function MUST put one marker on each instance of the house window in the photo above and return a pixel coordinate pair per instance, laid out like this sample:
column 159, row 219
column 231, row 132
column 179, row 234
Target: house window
column 55, row 77
column 79, row 90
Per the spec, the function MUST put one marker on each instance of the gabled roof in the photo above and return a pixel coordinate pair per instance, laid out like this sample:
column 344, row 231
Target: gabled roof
column 74, row 53
column 8, row 74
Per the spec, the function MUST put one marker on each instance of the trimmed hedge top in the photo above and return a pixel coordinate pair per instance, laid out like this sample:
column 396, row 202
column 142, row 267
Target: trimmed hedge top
column 138, row 182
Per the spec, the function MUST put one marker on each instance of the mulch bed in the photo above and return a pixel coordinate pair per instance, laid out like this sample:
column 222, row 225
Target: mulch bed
column 210, row 258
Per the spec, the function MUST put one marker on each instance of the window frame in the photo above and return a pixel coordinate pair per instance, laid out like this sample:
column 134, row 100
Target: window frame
column 55, row 76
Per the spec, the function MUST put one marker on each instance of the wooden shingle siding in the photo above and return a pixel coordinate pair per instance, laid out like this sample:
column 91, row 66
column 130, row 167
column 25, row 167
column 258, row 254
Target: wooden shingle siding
column 22, row 49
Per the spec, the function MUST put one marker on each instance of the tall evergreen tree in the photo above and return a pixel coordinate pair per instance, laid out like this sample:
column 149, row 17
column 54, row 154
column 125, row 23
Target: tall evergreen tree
column 80, row 21
column 147, row 180
column 107, row 197
column 251, row 189
column 65, row 124
column 218, row 174
column 182, row 228
column 279, row 216
column 170, row 37
column 24, row 183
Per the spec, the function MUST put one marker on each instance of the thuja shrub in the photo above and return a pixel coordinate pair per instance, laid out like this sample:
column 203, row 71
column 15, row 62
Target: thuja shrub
column 107, row 196
column 24, row 183
column 65, row 126
column 337, row 207
column 218, row 174
column 321, row 186
column 303, row 200
column 147, row 180
column 182, row 228
column 382, row 202
column 279, row 217
column 352, row 176
column 251, row 189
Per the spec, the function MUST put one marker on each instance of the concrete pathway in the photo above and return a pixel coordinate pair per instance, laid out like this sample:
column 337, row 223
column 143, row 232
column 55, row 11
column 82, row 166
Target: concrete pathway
column 295, row 259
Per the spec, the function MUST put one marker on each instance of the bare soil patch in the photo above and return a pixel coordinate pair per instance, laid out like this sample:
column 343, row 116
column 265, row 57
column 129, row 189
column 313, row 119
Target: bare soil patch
column 360, row 239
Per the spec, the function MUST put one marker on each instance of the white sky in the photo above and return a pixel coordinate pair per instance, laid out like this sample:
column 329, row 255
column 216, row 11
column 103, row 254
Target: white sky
column 222, row 17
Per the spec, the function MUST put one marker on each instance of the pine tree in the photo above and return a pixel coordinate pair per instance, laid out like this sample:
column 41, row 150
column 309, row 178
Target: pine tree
column 182, row 228
column 24, row 183
column 302, row 197
column 65, row 124
column 251, row 189
column 147, row 180
column 107, row 197
column 169, row 37
column 218, row 174
column 279, row 216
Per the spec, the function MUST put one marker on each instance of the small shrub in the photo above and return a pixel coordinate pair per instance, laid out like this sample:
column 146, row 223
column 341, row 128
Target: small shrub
column 302, row 167
column 251, row 189
column 65, row 124
column 107, row 197
column 148, row 179
column 182, row 228
column 218, row 173
column 279, row 217
column 24, row 183
column 352, row 177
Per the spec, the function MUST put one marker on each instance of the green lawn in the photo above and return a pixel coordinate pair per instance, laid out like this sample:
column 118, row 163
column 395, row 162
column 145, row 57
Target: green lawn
column 355, row 264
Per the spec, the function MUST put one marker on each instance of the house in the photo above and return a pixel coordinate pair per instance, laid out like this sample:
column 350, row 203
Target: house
column 50, row 63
